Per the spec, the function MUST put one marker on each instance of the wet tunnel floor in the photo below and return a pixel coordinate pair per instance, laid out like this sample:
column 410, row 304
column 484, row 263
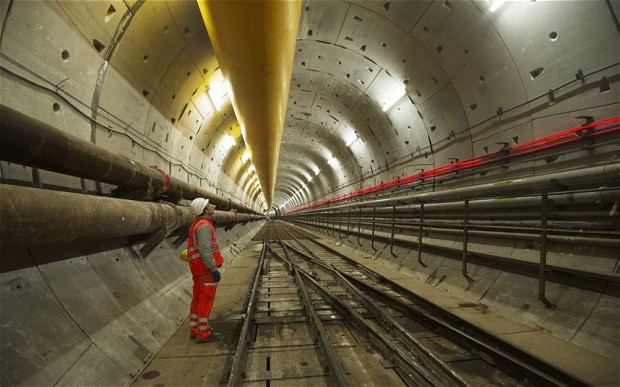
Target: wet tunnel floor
column 181, row 362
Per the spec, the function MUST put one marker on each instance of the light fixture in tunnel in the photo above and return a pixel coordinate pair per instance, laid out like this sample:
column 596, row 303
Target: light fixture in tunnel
column 351, row 140
column 393, row 95
column 227, row 142
column 245, row 156
column 218, row 89
column 495, row 4
column 204, row 104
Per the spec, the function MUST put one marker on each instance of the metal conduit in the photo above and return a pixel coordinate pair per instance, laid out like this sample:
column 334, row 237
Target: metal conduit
column 527, row 185
column 385, row 226
column 27, row 141
column 33, row 216
column 598, row 197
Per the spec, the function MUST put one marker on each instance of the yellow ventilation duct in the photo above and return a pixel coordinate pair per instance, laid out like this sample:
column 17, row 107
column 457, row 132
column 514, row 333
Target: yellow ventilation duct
column 254, row 42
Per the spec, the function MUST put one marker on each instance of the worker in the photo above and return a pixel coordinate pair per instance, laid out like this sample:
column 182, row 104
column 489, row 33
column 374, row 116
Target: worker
column 204, row 260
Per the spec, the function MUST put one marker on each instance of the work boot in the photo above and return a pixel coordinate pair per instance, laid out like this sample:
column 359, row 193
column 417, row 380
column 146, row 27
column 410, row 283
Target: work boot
column 214, row 336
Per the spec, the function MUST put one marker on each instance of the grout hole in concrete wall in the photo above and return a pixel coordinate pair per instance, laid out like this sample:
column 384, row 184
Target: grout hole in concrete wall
column 439, row 49
column 309, row 32
column 145, row 92
column 363, row 48
column 515, row 140
column 553, row 36
column 167, row 134
column 145, row 58
column 386, row 6
column 204, row 71
column 447, row 5
column 481, row 79
column 165, row 29
column 485, row 149
column 173, row 120
column 383, row 44
column 435, row 80
column 65, row 55
column 109, row 13
column 56, row 107
column 433, row 128
column 348, row 38
column 187, row 30
column 98, row 45
column 604, row 85
column 473, row 106
column 174, row 96
column 536, row 72
column 357, row 18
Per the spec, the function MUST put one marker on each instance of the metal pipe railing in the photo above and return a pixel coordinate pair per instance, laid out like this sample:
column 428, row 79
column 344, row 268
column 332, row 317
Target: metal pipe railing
column 27, row 141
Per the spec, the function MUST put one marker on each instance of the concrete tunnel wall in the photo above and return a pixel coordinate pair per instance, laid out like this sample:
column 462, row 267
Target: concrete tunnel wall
column 94, row 313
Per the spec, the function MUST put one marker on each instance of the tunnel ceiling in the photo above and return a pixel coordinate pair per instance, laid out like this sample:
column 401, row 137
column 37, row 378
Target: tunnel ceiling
column 379, row 89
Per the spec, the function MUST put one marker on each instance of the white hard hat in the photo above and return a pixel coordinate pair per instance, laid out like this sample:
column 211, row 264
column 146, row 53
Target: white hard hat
column 198, row 206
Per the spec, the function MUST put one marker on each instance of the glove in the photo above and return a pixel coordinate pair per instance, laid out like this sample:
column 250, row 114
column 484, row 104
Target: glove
column 216, row 275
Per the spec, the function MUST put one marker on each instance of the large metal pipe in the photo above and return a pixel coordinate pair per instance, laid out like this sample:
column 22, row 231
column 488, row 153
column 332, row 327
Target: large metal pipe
column 254, row 42
column 33, row 216
column 25, row 140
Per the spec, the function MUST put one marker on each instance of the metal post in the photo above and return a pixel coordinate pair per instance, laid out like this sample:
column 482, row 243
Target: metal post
column 359, row 227
column 392, row 236
column 543, row 252
column 420, row 235
column 340, row 224
column 348, row 224
column 465, row 240
column 372, row 240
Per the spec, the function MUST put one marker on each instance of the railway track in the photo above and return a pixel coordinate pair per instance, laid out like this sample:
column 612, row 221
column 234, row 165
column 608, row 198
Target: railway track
column 316, row 317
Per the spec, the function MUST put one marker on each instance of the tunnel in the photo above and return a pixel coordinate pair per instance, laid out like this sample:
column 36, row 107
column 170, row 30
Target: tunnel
column 469, row 149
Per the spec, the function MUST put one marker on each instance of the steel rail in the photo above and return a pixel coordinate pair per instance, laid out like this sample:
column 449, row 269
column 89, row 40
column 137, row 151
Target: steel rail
column 536, row 370
column 412, row 374
column 235, row 376
column 333, row 365
column 426, row 357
